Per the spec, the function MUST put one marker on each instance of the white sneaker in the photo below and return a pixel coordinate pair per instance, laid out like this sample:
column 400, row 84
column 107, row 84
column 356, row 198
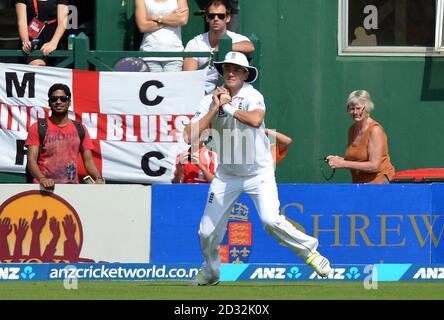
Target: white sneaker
column 201, row 280
column 320, row 264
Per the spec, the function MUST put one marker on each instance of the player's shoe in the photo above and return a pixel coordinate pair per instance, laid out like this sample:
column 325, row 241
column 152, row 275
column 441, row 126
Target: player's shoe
column 201, row 280
column 320, row 264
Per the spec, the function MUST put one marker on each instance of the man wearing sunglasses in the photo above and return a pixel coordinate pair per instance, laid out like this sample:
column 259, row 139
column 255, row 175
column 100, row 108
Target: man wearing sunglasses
column 217, row 15
column 54, row 160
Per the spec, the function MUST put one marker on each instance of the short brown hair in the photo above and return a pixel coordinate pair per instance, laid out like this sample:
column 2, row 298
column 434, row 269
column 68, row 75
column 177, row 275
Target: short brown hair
column 218, row 2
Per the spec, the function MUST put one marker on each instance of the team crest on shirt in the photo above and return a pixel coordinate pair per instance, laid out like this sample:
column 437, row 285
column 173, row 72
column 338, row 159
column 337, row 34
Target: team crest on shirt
column 240, row 105
column 221, row 113
column 237, row 244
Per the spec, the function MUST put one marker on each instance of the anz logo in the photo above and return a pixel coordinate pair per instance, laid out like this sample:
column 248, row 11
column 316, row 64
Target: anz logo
column 15, row 273
column 429, row 273
column 269, row 273
column 9, row 273
column 340, row 274
column 293, row 273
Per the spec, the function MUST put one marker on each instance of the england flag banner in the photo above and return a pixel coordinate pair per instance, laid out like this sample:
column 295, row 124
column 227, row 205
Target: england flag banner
column 135, row 119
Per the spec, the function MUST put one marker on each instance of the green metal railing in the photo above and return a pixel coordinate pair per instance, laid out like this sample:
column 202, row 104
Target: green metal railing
column 80, row 56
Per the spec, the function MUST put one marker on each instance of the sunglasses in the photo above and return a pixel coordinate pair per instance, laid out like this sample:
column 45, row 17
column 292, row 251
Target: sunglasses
column 221, row 16
column 55, row 98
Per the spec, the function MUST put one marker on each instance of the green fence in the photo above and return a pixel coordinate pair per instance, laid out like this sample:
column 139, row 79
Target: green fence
column 82, row 58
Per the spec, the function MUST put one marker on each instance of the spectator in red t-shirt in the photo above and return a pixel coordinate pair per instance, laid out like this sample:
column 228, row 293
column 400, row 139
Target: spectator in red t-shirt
column 195, row 168
column 56, row 162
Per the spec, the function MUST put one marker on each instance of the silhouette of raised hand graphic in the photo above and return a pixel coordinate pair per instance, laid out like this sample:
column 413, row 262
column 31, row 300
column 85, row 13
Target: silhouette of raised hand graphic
column 5, row 230
column 20, row 231
column 37, row 225
column 70, row 247
column 50, row 249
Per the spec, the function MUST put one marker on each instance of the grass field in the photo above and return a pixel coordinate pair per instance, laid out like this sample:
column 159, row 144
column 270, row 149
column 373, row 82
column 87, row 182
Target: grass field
column 260, row 290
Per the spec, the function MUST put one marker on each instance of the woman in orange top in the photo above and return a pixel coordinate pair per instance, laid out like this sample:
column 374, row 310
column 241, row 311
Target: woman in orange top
column 367, row 154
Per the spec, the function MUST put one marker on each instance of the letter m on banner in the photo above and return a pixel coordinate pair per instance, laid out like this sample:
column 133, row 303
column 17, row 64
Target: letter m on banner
column 28, row 81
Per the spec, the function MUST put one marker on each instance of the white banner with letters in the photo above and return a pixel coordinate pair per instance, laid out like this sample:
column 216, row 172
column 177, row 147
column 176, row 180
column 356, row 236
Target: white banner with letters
column 135, row 119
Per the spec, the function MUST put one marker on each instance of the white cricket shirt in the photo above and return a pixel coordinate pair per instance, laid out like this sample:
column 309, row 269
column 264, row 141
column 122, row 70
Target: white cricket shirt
column 166, row 38
column 242, row 150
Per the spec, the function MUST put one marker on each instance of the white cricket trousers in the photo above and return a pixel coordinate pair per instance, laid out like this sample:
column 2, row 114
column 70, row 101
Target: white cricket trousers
column 223, row 193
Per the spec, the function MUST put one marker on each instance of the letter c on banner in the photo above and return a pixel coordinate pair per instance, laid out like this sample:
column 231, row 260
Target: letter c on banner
column 144, row 90
column 146, row 164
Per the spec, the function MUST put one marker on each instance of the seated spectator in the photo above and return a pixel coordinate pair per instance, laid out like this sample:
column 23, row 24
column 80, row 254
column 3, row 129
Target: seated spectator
column 195, row 168
column 41, row 25
column 217, row 15
column 160, row 22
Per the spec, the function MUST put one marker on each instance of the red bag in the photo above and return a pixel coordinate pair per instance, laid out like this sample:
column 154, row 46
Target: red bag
column 35, row 28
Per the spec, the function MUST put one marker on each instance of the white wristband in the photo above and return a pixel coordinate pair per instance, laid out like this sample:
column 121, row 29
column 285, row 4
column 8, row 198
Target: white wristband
column 228, row 108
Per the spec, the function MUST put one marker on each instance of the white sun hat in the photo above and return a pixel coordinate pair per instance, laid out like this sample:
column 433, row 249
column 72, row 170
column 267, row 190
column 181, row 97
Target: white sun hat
column 237, row 58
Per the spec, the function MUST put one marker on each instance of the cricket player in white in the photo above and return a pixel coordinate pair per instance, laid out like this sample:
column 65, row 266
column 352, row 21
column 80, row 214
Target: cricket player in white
column 236, row 113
